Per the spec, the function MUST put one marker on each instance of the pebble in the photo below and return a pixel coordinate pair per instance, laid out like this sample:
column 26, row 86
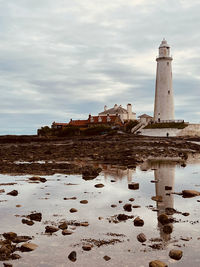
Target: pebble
column 157, row 263
column 141, row 238
column 87, row 247
column 72, row 210
column 13, row 193
column 131, row 199
column 127, row 207
column 133, row 186
column 106, row 258
column 138, row 221
column 163, row 218
column 67, row 232
column 84, row 201
column 28, row 247
column 99, row 185
column 63, row 226
column 51, row 229
column 72, row 256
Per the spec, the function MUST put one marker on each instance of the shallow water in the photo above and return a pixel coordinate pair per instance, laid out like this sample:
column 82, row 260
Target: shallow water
column 47, row 198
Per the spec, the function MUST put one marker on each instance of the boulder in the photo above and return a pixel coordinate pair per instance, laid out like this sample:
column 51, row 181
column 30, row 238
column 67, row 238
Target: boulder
column 167, row 229
column 38, row 179
column 157, row 198
column 122, row 217
column 20, row 239
column 63, row 226
column 84, row 201
column 176, row 254
column 25, row 221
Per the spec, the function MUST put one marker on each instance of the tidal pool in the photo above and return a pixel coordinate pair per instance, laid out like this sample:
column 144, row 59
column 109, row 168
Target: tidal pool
column 125, row 250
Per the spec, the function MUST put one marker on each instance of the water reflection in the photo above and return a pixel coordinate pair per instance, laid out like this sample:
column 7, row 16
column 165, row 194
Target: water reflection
column 164, row 174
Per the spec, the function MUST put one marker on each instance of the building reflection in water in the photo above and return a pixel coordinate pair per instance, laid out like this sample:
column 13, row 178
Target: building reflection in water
column 116, row 172
column 164, row 173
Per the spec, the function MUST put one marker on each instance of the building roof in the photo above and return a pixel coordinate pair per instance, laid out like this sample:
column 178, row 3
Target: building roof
column 145, row 116
column 79, row 122
column 114, row 110
column 60, row 123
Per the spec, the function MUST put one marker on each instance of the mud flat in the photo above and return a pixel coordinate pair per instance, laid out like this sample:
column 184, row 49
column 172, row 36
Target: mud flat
column 99, row 201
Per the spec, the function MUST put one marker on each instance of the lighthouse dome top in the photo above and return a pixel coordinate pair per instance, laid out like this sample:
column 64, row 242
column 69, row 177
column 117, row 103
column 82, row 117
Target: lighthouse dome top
column 164, row 43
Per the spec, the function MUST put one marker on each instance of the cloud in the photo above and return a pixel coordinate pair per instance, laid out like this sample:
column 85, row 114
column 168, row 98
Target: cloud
column 65, row 59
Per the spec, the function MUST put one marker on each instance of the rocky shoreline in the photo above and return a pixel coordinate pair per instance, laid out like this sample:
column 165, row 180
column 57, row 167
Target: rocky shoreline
column 34, row 155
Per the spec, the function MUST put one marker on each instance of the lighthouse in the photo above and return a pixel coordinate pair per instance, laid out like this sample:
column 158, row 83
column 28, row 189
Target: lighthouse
column 164, row 99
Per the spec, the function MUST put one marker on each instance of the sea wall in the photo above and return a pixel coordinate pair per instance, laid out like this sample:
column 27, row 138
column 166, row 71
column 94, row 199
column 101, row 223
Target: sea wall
column 190, row 130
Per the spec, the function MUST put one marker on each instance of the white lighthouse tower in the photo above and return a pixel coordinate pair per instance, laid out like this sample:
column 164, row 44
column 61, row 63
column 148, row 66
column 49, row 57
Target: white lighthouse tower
column 164, row 99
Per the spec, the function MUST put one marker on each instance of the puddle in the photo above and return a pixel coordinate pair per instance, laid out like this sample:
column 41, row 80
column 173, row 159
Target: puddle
column 48, row 198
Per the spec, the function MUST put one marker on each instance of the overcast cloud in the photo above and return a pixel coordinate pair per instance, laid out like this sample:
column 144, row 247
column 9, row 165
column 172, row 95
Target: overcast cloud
column 65, row 59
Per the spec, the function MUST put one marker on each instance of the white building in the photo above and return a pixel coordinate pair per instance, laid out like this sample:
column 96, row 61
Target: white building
column 125, row 114
column 164, row 97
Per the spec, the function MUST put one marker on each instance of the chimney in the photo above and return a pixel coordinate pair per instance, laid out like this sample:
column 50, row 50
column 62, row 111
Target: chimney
column 129, row 110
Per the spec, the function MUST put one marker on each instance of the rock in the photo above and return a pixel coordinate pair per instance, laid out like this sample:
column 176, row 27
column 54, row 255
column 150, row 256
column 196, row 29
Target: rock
column 141, row 238
column 15, row 256
column 106, row 258
column 168, row 187
column 87, row 247
column 167, row 229
column 99, row 185
column 67, row 232
column 157, row 263
column 120, row 201
column 84, row 201
column 20, row 239
column 28, row 247
column 163, row 218
column 136, row 206
column 131, row 199
column 127, row 207
column 138, row 221
column 2, row 191
column 122, row 217
column 85, row 224
column 157, row 198
column 175, row 254
column 154, row 181
column 113, row 206
column 190, row 193
column 185, row 214
column 72, row 256
column 13, row 193
column 37, row 178
column 170, row 211
column 133, row 186
column 24, row 221
column 35, row 216
column 10, row 235
column 51, row 229
column 18, row 206
column 63, row 226
column 90, row 173
column 72, row 210
column 7, row 265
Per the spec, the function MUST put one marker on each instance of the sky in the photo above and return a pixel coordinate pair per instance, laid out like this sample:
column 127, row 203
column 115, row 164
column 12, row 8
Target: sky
column 65, row 59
